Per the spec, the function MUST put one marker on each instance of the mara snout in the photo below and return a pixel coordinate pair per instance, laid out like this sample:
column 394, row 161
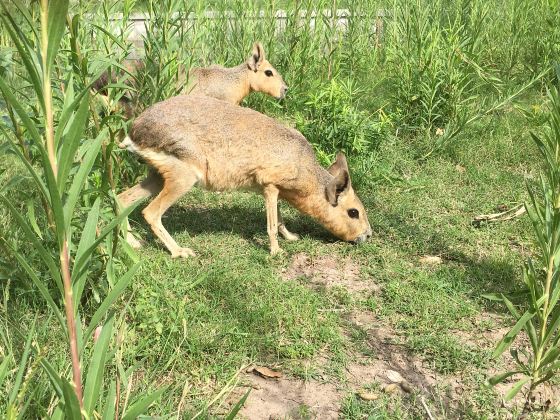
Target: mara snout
column 199, row 140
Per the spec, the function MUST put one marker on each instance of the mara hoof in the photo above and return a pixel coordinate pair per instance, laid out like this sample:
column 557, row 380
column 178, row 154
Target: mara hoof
column 276, row 250
column 133, row 242
column 287, row 235
column 182, row 253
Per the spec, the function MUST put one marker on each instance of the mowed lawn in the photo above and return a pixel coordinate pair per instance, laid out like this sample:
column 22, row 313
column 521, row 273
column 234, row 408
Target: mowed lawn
column 196, row 324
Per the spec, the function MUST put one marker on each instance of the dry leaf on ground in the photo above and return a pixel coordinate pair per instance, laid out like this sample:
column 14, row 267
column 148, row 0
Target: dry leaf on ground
column 266, row 372
column 368, row 396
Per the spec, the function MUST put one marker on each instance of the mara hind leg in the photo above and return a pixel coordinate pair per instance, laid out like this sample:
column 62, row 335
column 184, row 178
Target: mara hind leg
column 283, row 230
column 147, row 188
column 178, row 180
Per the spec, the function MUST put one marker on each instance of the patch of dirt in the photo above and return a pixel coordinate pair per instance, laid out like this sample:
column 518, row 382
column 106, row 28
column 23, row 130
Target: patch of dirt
column 293, row 398
column 388, row 354
column 289, row 398
column 327, row 271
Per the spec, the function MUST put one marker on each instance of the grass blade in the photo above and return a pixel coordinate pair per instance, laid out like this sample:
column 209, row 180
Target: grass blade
column 233, row 413
column 96, row 367
column 37, row 245
column 516, row 388
column 71, row 404
column 38, row 283
column 22, row 364
column 506, row 341
column 140, row 406
column 80, row 262
column 109, row 300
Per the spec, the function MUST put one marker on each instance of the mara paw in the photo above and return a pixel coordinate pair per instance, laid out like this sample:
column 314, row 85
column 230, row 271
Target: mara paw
column 182, row 253
column 133, row 242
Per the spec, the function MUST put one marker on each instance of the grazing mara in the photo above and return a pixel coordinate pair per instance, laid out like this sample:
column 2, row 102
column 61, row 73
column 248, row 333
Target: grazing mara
column 192, row 140
column 229, row 84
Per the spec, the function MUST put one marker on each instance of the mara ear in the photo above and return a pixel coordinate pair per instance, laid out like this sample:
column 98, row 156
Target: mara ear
column 257, row 57
column 339, row 164
column 340, row 181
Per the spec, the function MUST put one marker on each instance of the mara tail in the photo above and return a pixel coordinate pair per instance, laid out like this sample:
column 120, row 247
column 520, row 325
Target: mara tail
column 128, row 144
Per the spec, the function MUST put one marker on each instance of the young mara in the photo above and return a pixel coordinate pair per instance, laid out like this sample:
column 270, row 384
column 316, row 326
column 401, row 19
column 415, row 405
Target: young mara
column 198, row 140
column 234, row 84
column 229, row 84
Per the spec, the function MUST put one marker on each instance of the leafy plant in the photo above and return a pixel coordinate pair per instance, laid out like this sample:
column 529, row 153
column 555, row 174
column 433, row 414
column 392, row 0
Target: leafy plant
column 540, row 319
column 67, row 245
column 332, row 121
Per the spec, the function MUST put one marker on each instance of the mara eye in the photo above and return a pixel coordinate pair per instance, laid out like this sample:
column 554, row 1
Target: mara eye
column 268, row 73
column 353, row 213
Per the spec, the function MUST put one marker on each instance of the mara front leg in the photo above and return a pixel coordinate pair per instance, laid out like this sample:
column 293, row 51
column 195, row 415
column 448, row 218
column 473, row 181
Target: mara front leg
column 270, row 193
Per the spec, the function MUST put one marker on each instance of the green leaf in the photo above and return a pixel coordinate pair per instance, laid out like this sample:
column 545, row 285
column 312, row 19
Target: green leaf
column 550, row 356
column 96, row 367
column 71, row 404
column 71, row 141
column 109, row 412
column 87, row 238
column 142, row 405
column 553, row 326
column 25, row 52
column 22, row 365
column 32, row 219
column 516, row 388
column 56, row 23
column 233, row 413
column 494, row 380
column 24, row 10
column 53, row 376
column 16, row 105
column 30, row 168
column 510, row 336
column 55, row 200
column 4, row 367
column 111, row 297
column 113, row 38
column 80, row 262
column 81, row 175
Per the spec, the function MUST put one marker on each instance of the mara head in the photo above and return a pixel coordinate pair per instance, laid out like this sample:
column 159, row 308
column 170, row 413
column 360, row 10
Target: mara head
column 262, row 76
column 346, row 216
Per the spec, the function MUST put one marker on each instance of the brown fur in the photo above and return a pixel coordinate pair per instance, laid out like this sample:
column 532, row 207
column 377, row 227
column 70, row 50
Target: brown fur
column 201, row 140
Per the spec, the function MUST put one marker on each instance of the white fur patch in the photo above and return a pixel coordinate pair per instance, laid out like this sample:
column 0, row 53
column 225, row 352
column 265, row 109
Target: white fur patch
column 162, row 159
column 128, row 144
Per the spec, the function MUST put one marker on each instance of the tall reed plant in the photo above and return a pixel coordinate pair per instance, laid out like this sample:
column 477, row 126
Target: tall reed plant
column 538, row 316
column 67, row 240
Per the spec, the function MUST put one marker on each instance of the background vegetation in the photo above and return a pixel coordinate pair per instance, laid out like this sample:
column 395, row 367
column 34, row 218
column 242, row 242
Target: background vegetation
column 433, row 101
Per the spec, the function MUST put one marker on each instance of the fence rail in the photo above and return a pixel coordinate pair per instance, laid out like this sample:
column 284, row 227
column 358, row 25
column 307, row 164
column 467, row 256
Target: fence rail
column 339, row 19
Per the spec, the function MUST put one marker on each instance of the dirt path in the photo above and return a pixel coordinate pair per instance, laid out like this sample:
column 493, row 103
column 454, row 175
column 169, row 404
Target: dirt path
column 294, row 398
